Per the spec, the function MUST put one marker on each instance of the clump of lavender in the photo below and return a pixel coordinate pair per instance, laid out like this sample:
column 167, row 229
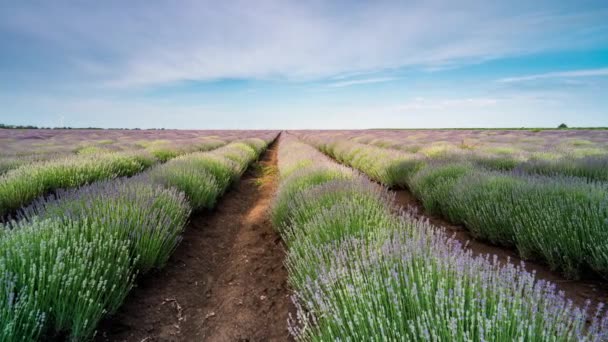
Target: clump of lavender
column 592, row 168
column 204, row 176
column 424, row 286
column 387, row 166
column 20, row 186
column 564, row 224
column 66, row 276
column 435, row 183
column 556, row 219
column 301, row 167
column 151, row 217
column 19, row 322
column 200, row 187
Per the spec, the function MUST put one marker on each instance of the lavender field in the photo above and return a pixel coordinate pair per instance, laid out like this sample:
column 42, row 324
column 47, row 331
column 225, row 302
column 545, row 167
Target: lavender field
column 88, row 214
column 283, row 170
column 363, row 270
column 541, row 192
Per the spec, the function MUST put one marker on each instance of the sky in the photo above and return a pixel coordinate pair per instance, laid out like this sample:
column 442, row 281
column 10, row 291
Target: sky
column 304, row 64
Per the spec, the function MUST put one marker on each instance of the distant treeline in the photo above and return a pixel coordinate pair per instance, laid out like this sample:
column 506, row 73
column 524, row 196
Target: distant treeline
column 534, row 129
column 4, row 126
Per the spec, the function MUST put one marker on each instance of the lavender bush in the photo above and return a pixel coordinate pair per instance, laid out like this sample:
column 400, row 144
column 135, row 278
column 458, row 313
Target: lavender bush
column 423, row 286
column 204, row 176
column 559, row 220
column 66, row 275
column 20, row 186
column 150, row 217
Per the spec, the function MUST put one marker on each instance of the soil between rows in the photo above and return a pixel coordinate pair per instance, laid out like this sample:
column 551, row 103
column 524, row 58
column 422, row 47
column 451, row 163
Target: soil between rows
column 579, row 291
column 225, row 282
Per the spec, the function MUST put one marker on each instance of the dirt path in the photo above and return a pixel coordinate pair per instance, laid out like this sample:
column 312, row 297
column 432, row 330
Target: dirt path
column 225, row 282
column 578, row 291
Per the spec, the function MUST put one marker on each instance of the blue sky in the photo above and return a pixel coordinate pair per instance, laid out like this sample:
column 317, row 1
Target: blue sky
column 304, row 64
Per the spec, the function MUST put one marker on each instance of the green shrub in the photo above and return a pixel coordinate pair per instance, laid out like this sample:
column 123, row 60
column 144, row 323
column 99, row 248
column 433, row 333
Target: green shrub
column 20, row 186
column 150, row 217
column 435, row 182
column 73, row 273
column 199, row 185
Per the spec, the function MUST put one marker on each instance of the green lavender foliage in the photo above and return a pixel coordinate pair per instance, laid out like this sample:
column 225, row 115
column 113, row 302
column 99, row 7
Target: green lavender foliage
column 19, row 321
column 7, row 164
column 200, row 187
column 20, row 186
column 151, row 217
column 432, row 184
column 494, row 162
column 300, row 180
column 563, row 157
column 345, row 208
column 591, row 168
column 389, row 167
column 417, row 285
column 301, row 169
column 165, row 150
column 257, row 144
column 72, row 272
column 558, row 220
column 204, row 176
column 315, row 203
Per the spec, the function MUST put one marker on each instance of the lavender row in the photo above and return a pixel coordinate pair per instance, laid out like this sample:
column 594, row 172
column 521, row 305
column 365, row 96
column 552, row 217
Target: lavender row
column 20, row 186
column 561, row 220
column 39, row 143
column 581, row 154
column 72, row 257
column 26, row 147
column 362, row 271
column 204, row 176
column 20, row 147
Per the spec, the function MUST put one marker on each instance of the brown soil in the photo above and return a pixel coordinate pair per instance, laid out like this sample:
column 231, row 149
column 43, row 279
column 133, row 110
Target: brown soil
column 578, row 291
column 225, row 282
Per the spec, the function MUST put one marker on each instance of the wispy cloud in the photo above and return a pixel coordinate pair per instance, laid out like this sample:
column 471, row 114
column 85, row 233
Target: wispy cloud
column 422, row 103
column 557, row 74
column 143, row 44
column 361, row 81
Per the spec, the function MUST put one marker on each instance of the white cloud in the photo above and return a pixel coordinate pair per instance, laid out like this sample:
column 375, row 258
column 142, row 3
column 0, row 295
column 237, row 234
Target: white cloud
column 349, row 83
column 139, row 44
column 557, row 74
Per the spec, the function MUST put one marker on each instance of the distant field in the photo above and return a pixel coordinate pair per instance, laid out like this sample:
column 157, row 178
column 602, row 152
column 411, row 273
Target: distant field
column 367, row 230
